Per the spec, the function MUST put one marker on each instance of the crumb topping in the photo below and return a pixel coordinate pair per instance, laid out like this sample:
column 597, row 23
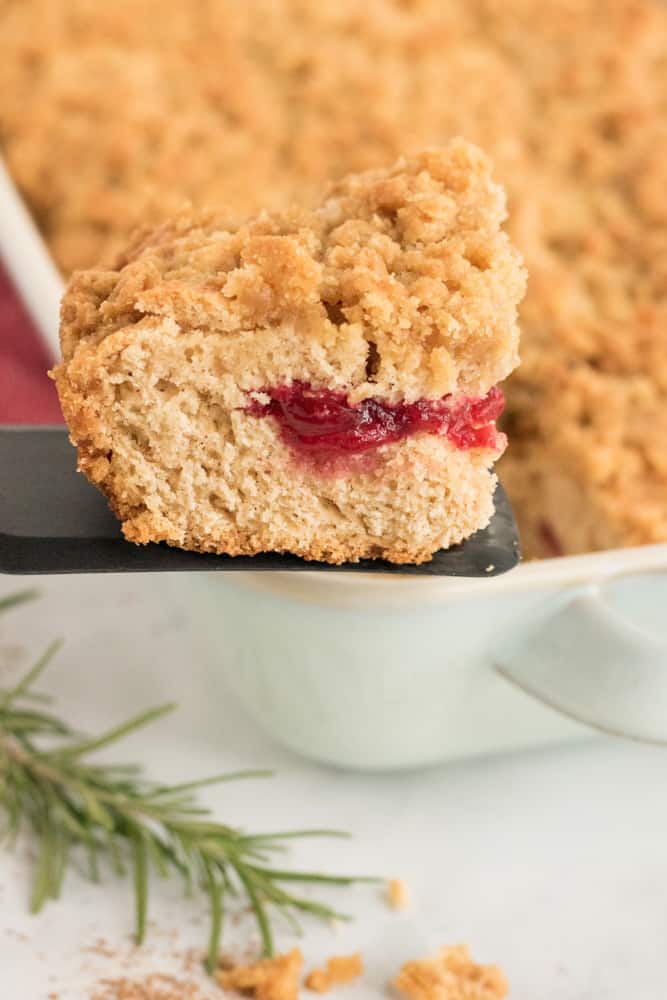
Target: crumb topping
column 451, row 975
column 339, row 970
column 268, row 979
column 402, row 274
column 398, row 896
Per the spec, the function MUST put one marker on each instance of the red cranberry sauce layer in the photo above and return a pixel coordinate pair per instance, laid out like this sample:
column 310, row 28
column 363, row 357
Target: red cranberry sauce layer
column 318, row 420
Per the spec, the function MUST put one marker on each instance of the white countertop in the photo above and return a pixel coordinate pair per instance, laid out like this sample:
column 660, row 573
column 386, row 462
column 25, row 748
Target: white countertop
column 553, row 864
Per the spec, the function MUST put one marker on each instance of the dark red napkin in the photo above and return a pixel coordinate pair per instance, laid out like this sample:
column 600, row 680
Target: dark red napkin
column 27, row 395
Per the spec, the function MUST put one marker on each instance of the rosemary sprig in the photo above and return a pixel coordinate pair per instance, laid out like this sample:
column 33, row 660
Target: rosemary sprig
column 49, row 784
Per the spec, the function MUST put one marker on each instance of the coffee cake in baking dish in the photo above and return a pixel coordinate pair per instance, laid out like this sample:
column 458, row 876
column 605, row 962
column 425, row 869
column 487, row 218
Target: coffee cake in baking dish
column 112, row 114
column 321, row 382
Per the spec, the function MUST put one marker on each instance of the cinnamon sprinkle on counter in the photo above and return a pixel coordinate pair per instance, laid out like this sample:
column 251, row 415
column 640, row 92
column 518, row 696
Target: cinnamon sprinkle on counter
column 152, row 987
column 101, row 947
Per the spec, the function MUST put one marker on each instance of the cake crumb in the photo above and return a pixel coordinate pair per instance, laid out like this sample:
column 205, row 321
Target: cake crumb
column 268, row 979
column 101, row 947
column 397, row 894
column 339, row 970
column 451, row 975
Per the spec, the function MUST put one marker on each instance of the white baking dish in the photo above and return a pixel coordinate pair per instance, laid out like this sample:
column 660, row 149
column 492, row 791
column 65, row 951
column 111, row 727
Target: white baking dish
column 375, row 672
column 384, row 672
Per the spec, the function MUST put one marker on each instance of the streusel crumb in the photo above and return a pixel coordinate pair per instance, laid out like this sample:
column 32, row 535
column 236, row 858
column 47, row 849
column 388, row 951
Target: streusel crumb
column 451, row 975
column 339, row 970
column 268, row 979
column 398, row 896
column 410, row 259
column 156, row 986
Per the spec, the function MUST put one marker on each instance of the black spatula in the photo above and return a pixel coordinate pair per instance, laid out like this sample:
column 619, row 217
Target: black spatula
column 53, row 521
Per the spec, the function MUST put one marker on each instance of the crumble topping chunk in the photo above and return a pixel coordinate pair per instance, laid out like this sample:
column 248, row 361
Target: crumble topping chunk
column 339, row 970
column 451, row 975
column 268, row 979
column 398, row 896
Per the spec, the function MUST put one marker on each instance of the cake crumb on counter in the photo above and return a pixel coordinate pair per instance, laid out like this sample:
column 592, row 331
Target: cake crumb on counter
column 268, row 979
column 451, row 975
column 339, row 970
column 398, row 896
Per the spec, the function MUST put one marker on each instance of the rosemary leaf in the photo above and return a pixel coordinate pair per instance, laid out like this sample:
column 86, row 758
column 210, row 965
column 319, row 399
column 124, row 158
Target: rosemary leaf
column 258, row 909
column 140, row 858
column 216, row 779
column 115, row 734
column 28, row 679
column 215, row 893
column 20, row 597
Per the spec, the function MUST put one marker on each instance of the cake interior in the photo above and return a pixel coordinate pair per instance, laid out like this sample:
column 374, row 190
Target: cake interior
column 199, row 462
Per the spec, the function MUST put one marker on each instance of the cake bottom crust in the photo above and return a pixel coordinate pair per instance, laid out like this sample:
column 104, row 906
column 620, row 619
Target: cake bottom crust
column 328, row 546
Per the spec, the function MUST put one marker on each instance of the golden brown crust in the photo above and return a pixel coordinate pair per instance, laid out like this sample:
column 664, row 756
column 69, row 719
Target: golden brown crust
column 451, row 975
column 161, row 353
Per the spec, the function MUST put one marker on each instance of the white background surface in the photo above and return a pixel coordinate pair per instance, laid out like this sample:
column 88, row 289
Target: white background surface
column 553, row 864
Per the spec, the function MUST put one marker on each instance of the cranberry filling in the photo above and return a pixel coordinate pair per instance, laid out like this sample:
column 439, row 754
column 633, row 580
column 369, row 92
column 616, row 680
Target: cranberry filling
column 317, row 420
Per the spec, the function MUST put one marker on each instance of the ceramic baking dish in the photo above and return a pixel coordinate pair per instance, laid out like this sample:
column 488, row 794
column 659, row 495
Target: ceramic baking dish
column 376, row 673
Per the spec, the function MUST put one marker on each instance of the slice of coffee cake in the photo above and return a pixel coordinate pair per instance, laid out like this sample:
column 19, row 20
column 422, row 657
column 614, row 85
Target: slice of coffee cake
column 317, row 382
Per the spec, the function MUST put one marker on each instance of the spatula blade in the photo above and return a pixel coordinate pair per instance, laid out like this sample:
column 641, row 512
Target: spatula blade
column 53, row 521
